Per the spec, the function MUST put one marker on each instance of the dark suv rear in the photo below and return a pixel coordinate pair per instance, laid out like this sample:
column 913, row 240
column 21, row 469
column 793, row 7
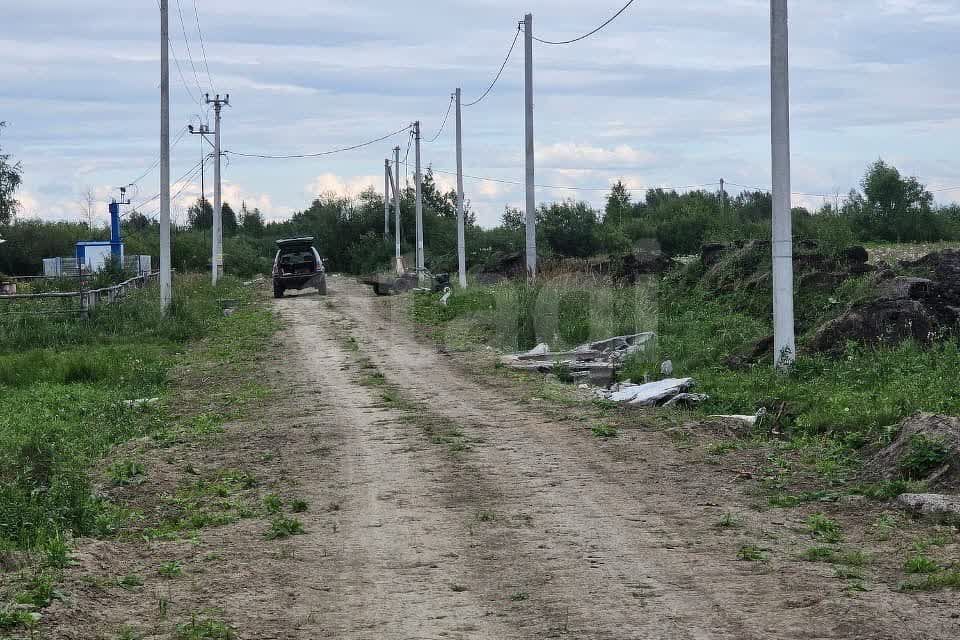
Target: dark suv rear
column 298, row 266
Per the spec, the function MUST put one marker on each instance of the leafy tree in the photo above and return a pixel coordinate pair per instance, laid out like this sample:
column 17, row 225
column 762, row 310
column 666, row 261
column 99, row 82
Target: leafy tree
column 512, row 219
column 251, row 221
column 569, row 227
column 618, row 205
column 229, row 219
column 11, row 175
column 892, row 207
column 200, row 215
column 137, row 222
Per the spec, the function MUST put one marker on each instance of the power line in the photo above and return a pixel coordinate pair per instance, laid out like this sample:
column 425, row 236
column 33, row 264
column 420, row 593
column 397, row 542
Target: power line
column 513, row 46
column 176, row 60
column 320, row 154
column 187, row 181
column 185, row 176
column 444, row 124
column 153, row 166
column 183, row 78
column 186, row 42
column 587, row 35
column 203, row 47
column 793, row 193
column 571, row 188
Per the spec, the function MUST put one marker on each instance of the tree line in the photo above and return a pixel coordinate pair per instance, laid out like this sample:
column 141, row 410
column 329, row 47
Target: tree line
column 887, row 207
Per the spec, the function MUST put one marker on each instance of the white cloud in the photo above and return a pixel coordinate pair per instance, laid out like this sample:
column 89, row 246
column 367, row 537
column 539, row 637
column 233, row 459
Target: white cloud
column 585, row 156
column 350, row 186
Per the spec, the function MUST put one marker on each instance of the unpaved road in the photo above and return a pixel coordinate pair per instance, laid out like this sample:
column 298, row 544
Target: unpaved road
column 536, row 530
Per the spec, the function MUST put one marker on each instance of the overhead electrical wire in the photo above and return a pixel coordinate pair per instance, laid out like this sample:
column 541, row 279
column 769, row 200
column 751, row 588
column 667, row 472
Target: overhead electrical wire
column 320, row 154
column 571, row 188
column 185, row 176
column 186, row 43
column 587, row 35
column 173, row 144
column 513, row 46
column 183, row 79
column 444, row 123
column 203, row 47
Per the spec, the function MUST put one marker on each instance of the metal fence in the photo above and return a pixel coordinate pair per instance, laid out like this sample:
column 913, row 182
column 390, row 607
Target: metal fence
column 80, row 302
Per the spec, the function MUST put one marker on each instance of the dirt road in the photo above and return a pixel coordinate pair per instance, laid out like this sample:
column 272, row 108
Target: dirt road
column 459, row 511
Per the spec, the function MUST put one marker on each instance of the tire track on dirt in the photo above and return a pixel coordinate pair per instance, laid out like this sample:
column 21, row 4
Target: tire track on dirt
column 626, row 543
column 397, row 561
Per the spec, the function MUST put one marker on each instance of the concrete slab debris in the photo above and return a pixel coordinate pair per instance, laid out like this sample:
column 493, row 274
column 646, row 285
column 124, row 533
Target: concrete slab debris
column 930, row 503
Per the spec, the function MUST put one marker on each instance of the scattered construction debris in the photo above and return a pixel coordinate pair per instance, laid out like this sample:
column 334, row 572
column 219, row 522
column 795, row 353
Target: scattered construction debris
column 651, row 394
column 934, row 504
column 750, row 421
column 597, row 362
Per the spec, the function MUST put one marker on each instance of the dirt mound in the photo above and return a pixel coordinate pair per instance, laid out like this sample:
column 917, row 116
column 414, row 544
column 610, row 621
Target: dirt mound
column 629, row 268
column 902, row 308
column 926, row 448
column 944, row 268
column 729, row 267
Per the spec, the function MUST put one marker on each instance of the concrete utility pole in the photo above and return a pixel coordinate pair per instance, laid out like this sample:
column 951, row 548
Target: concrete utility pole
column 785, row 348
column 203, row 131
column 419, row 179
column 217, row 264
column 531, row 191
column 461, row 221
column 386, row 199
column 166, row 281
column 396, row 207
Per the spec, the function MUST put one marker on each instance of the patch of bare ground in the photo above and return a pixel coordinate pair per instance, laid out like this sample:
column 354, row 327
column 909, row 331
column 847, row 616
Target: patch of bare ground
column 440, row 502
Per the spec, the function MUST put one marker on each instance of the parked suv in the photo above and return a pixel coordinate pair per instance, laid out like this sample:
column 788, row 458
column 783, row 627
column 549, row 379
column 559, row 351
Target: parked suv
column 298, row 266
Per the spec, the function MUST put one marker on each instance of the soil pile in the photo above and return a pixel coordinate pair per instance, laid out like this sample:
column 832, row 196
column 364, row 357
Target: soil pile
column 927, row 448
column 918, row 300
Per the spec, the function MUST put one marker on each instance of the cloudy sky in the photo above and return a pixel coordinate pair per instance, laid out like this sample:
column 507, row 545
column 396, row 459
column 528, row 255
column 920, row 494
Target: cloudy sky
column 671, row 94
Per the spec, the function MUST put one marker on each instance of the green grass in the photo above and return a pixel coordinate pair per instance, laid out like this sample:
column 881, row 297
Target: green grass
column 934, row 581
column 604, row 431
column 924, row 454
column 64, row 382
column 283, row 527
column 824, row 528
column 921, row 564
column 205, row 628
column 66, row 385
column 171, row 569
column 751, row 553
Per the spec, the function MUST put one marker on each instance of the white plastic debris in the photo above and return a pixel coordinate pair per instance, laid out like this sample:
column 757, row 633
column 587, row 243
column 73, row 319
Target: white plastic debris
column 686, row 399
column 653, row 393
column 541, row 349
column 666, row 369
column 141, row 402
column 750, row 420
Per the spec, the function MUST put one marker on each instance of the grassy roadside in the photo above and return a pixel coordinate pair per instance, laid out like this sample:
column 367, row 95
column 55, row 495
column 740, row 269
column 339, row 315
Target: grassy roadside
column 835, row 411
column 72, row 391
